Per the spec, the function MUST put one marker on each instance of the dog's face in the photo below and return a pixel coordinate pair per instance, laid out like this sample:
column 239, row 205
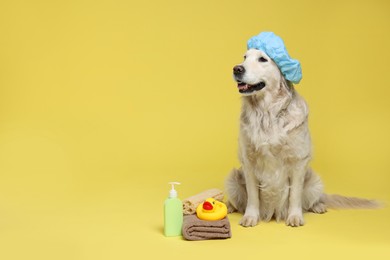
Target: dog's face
column 258, row 71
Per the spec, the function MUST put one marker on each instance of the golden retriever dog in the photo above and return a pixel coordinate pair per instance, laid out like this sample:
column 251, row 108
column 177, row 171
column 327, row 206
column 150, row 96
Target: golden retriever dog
column 275, row 181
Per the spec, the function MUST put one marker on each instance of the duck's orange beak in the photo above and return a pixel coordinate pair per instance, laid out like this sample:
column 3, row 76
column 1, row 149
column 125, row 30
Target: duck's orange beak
column 207, row 205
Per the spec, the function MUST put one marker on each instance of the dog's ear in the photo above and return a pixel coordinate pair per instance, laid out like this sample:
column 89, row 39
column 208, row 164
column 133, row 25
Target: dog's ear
column 286, row 84
column 290, row 85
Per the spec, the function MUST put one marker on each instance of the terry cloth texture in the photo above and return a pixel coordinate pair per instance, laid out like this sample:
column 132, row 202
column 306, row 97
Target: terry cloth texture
column 197, row 229
column 274, row 47
column 190, row 204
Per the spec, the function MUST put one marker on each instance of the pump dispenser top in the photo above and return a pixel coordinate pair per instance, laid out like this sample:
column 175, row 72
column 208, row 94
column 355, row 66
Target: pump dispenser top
column 173, row 192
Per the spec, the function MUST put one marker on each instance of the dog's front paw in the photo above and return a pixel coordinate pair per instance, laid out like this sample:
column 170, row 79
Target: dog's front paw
column 249, row 220
column 295, row 220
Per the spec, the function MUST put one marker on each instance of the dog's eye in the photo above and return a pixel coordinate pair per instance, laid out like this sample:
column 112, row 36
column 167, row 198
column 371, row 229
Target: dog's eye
column 244, row 57
column 262, row 59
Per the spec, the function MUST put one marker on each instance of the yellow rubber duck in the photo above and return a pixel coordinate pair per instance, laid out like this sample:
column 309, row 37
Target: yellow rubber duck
column 211, row 209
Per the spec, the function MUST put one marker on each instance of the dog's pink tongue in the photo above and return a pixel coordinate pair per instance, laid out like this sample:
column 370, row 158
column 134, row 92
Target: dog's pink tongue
column 242, row 86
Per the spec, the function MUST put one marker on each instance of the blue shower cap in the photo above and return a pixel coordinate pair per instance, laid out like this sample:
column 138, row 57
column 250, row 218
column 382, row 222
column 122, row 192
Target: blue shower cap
column 274, row 47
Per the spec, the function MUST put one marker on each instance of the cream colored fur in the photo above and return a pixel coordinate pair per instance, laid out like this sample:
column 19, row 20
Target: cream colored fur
column 275, row 180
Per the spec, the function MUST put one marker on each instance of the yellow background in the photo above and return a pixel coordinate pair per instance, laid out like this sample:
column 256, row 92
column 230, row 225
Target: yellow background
column 103, row 102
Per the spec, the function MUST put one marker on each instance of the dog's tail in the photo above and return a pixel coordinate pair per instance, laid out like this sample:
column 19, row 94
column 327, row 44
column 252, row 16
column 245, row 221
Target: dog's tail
column 335, row 201
column 236, row 191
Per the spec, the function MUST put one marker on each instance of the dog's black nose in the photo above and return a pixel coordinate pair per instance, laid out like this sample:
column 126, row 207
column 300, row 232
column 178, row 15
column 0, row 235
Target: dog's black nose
column 238, row 70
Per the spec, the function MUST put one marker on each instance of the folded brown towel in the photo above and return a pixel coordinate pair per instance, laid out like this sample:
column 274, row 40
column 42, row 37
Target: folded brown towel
column 197, row 229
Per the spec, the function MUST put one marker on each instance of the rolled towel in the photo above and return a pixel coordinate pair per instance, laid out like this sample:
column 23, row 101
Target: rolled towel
column 197, row 229
column 190, row 204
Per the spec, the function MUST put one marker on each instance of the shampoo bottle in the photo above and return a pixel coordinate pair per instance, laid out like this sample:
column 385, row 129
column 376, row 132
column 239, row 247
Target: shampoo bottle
column 173, row 213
